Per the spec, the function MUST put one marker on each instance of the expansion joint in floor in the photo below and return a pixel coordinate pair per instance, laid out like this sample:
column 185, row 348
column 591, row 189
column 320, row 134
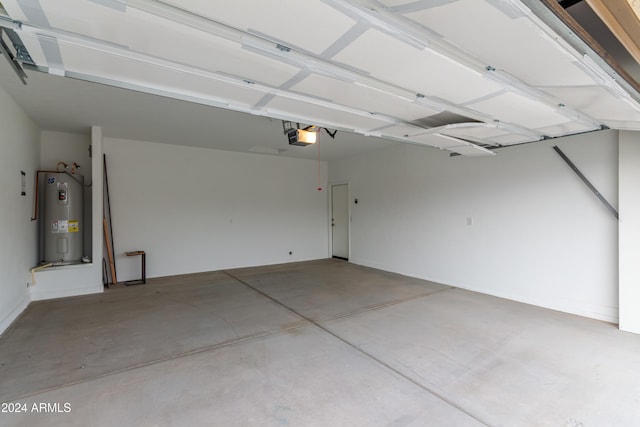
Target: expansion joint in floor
column 360, row 350
column 164, row 359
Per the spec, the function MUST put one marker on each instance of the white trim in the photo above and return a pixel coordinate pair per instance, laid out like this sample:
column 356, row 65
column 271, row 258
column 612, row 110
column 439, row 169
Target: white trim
column 331, row 185
column 602, row 313
column 37, row 295
column 13, row 315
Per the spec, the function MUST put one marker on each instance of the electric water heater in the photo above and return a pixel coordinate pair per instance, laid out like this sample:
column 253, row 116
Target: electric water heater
column 62, row 228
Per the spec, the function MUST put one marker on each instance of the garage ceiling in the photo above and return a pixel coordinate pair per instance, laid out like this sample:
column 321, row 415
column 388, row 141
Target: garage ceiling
column 462, row 75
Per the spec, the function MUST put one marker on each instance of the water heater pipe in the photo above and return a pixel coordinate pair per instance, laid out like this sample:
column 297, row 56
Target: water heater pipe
column 35, row 208
column 34, row 269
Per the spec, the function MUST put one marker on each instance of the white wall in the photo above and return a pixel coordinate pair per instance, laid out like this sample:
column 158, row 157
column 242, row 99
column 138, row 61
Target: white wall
column 19, row 151
column 65, row 147
column 629, row 183
column 538, row 235
column 197, row 209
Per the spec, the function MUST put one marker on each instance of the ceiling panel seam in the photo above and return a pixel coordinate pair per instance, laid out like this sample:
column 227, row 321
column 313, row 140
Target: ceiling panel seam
column 261, row 43
column 352, row 34
column 264, row 101
column 34, row 12
column 387, row 126
column 284, row 86
column 483, row 98
column 345, row 40
column 184, row 17
column 111, row 4
column 276, row 40
column 513, row 10
column 328, row 102
column 381, row 21
column 418, row 6
column 52, row 53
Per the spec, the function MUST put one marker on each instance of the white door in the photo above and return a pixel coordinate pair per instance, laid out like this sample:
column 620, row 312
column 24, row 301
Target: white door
column 340, row 220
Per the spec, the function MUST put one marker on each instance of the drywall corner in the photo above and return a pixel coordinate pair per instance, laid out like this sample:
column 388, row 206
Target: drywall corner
column 19, row 154
column 629, row 231
column 14, row 314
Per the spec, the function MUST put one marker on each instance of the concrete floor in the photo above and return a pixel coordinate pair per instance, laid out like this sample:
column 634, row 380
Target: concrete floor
column 322, row 343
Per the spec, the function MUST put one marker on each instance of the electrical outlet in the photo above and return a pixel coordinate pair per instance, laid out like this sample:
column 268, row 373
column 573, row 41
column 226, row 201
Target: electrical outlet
column 469, row 221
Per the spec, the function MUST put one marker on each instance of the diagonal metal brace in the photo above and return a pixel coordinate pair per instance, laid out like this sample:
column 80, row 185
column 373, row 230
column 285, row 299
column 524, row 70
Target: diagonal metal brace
column 586, row 181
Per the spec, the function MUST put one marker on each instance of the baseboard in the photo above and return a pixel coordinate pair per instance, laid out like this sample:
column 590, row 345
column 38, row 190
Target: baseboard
column 602, row 313
column 13, row 315
column 63, row 293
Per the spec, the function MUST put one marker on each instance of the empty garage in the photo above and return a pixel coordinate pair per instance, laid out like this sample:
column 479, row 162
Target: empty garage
column 320, row 213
